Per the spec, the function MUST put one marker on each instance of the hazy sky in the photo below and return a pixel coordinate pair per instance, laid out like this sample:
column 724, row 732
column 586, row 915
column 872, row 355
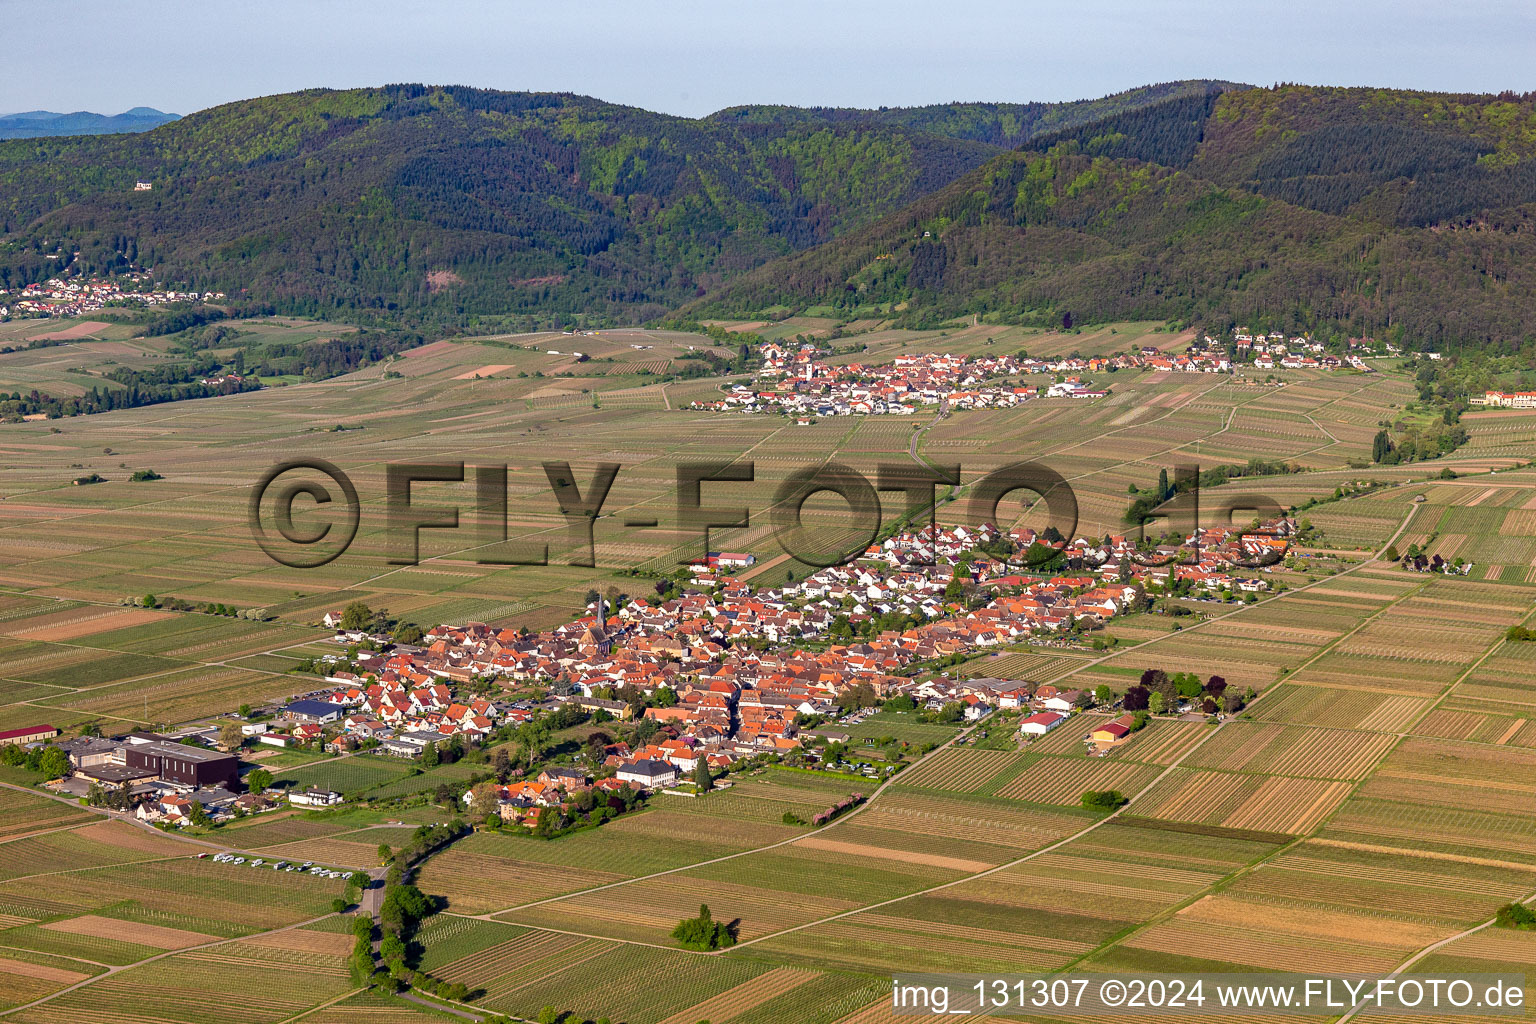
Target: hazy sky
column 689, row 57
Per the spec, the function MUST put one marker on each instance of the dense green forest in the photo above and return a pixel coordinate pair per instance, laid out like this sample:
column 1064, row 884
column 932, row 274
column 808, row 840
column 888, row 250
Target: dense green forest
column 453, row 200
column 1001, row 124
column 1366, row 211
column 1375, row 212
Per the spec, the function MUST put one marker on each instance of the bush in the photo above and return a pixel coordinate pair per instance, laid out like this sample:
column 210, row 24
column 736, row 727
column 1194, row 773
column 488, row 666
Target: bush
column 1516, row 915
column 1104, row 799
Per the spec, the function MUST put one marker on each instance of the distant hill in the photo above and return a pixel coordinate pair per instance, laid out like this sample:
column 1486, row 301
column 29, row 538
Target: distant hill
column 1000, row 124
column 1369, row 211
column 457, row 201
column 34, row 124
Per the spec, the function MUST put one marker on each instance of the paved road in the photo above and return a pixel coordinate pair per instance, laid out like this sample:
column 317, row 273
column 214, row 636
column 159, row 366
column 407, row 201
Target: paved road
column 455, row 1009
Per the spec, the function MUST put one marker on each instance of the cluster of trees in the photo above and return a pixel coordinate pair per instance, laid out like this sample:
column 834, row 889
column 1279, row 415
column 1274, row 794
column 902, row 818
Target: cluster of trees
column 586, row 808
column 1146, row 499
column 403, row 908
column 162, row 387
column 448, row 752
column 1157, row 691
column 182, row 380
column 401, row 912
column 1416, row 445
column 704, row 933
column 425, row 840
column 357, row 616
column 179, row 604
column 705, row 363
column 1515, row 915
column 861, row 695
column 361, row 959
column 50, row 761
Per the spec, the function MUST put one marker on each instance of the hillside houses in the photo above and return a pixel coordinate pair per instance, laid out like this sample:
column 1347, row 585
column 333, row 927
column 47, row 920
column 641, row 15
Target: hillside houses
column 1505, row 399
column 1297, row 352
column 76, row 296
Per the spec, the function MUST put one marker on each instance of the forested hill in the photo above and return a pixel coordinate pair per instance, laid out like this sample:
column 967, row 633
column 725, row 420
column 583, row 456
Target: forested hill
column 1379, row 212
column 1009, row 125
column 455, row 199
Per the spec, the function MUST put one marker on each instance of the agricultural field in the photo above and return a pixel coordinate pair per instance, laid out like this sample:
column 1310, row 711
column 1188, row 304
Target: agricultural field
column 471, row 393
column 1371, row 799
column 24, row 814
column 901, row 726
column 271, row 982
column 560, row 972
column 145, row 900
column 1063, row 780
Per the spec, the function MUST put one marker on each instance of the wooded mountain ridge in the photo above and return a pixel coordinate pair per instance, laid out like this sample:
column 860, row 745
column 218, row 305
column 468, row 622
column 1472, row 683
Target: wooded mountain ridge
column 1372, row 210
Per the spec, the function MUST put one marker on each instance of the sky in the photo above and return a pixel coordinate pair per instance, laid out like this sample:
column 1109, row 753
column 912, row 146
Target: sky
column 688, row 57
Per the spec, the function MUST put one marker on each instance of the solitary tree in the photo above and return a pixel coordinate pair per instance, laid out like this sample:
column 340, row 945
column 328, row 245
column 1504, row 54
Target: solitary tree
column 230, row 735
column 356, row 615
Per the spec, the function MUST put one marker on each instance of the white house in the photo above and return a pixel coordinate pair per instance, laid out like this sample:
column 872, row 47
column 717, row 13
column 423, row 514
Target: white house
column 1061, row 701
column 315, row 798
column 648, row 774
column 1042, row 723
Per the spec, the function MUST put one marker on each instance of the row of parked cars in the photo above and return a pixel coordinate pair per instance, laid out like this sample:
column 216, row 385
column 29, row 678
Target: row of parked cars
column 281, row 865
